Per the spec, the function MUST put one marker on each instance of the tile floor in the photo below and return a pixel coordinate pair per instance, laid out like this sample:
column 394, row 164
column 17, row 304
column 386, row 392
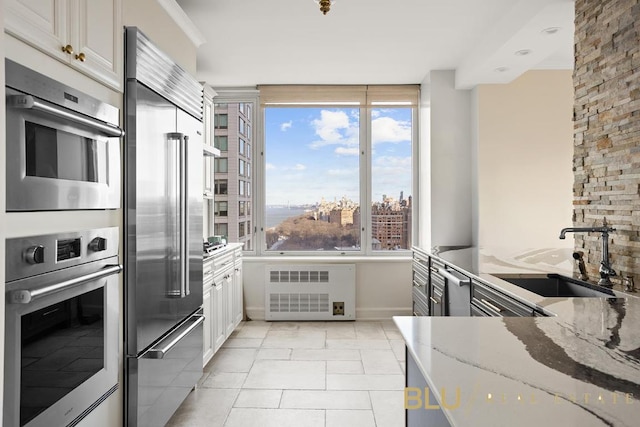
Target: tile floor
column 289, row 374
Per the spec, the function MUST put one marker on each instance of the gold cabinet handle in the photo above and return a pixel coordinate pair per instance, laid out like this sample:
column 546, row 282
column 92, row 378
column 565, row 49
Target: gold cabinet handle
column 434, row 270
column 435, row 301
column 68, row 49
column 81, row 57
column 491, row 306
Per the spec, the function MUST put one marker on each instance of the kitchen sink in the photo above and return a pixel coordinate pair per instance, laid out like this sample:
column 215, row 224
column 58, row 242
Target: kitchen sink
column 556, row 285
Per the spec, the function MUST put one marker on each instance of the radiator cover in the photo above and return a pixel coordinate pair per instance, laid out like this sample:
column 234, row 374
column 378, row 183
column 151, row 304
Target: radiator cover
column 310, row 292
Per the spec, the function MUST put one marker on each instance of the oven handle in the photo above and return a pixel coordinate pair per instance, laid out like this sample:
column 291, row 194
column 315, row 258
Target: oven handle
column 158, row 352
column 25, row 296
column 32, row 103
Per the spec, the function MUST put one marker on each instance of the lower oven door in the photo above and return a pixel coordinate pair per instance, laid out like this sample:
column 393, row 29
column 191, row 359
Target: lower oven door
column 61, row 349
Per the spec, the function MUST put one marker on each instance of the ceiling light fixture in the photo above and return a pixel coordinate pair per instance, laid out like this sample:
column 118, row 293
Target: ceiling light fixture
column 325, row 5
column 522, row 52
column 550, row 31
column 501, row 69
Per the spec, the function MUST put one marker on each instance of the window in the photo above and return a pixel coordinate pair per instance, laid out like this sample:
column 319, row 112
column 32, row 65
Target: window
column 241, row 165
column 241, row 188
column 221, row 230
column 242, row 126
column 221, row 165
column 241, row 226
column 221, row 186
column 338, row 168
column 241, row 208
column 221, row 142
column 242, row 146
column 221, row 208
column 221, row 121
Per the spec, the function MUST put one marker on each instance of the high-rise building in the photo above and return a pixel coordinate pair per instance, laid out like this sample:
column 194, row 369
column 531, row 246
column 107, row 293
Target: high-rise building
column 233, row 172
column 391, row 224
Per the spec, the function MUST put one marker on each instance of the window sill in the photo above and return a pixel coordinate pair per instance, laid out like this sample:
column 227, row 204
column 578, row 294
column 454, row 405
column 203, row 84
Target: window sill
column 328, row 259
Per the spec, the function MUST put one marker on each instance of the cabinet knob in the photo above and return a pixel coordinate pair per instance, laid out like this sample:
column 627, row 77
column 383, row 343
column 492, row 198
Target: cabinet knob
column 81, row 57
column 67, row 49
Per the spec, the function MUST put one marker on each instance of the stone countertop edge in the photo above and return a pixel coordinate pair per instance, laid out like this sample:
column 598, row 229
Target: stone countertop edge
column 519, row 372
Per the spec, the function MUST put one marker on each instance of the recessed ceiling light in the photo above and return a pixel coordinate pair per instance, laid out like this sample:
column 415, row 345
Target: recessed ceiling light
column 501, row 69
column 551, row 30
column 523, row 52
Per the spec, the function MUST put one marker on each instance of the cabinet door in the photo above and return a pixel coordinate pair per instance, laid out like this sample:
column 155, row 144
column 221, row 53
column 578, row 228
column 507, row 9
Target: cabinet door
column 227, row 289
column 97, row 32
column 40, row 23
column 237, row 293
column 207, row 344
column 219, row 330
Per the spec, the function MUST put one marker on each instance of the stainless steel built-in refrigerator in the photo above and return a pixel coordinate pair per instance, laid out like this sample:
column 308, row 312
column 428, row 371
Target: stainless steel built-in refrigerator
column 163, row 223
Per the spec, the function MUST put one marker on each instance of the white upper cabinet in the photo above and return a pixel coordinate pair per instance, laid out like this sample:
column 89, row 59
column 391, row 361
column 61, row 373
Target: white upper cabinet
column 85, row 34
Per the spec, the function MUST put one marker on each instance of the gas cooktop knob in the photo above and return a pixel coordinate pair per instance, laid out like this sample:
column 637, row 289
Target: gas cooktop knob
column 98, row 244
column 35, row 254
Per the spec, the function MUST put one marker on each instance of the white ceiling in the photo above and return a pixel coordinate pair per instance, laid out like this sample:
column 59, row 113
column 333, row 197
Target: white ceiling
column 250, row 42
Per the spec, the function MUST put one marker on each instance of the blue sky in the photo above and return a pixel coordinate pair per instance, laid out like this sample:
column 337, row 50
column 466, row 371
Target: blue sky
column 313, row 153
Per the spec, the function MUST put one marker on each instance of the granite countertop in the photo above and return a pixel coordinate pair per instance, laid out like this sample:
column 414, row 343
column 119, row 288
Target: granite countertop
column 581, row 366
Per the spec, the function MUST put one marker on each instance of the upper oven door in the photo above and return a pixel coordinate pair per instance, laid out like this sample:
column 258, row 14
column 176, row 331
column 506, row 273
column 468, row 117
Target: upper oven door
column 58, row 159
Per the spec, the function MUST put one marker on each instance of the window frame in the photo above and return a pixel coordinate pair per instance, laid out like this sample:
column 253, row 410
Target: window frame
column 386, row 95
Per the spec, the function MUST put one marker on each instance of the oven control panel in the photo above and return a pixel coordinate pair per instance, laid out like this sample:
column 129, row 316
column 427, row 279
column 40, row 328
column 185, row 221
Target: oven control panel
column 33, row 255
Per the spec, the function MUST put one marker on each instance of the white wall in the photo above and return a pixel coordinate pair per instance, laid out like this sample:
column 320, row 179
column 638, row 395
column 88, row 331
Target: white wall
column 449, row 165
column 525, row 154
column 383, row 284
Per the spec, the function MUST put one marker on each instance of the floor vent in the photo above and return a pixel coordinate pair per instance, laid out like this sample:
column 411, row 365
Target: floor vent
column 310, row 292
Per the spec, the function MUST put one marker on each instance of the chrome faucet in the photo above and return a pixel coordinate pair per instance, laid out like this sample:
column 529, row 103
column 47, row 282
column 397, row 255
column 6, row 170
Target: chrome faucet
column 605, row 270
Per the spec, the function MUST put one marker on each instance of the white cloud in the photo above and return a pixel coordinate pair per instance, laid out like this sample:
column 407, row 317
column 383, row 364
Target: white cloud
column 344, row 151
column 340, row 172
column 299, row 167
column 286, row 125
column 392, row 162
column 329, row 124
column 386, row 129
column 335, row 128
column 270, row 166
column 375, row 113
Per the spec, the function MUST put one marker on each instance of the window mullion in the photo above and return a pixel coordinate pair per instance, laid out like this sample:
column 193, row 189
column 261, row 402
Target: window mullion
column 365, row 180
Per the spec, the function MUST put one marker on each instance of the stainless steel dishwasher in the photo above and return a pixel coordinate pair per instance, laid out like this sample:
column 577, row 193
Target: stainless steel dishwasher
column 458, row 288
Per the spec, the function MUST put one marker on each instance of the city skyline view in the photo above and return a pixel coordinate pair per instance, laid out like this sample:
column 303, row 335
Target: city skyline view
column 314, row 154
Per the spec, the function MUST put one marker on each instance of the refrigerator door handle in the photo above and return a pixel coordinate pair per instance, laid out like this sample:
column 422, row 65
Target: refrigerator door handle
column 165, row 346
column 184, row 218
column 178, row 168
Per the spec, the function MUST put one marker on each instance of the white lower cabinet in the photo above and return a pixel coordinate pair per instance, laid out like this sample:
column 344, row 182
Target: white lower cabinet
column 217, row 317
column 222, row 298
column 207, row 309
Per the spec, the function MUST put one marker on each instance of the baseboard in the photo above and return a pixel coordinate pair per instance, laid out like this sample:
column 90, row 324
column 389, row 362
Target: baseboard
column 382, row 313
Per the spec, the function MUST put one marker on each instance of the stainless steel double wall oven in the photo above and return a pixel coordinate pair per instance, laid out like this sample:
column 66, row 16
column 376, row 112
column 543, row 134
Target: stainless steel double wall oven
column 62, row 290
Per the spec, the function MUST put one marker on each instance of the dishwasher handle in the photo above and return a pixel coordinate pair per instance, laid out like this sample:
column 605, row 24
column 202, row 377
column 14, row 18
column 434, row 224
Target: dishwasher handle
column 454, row 277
